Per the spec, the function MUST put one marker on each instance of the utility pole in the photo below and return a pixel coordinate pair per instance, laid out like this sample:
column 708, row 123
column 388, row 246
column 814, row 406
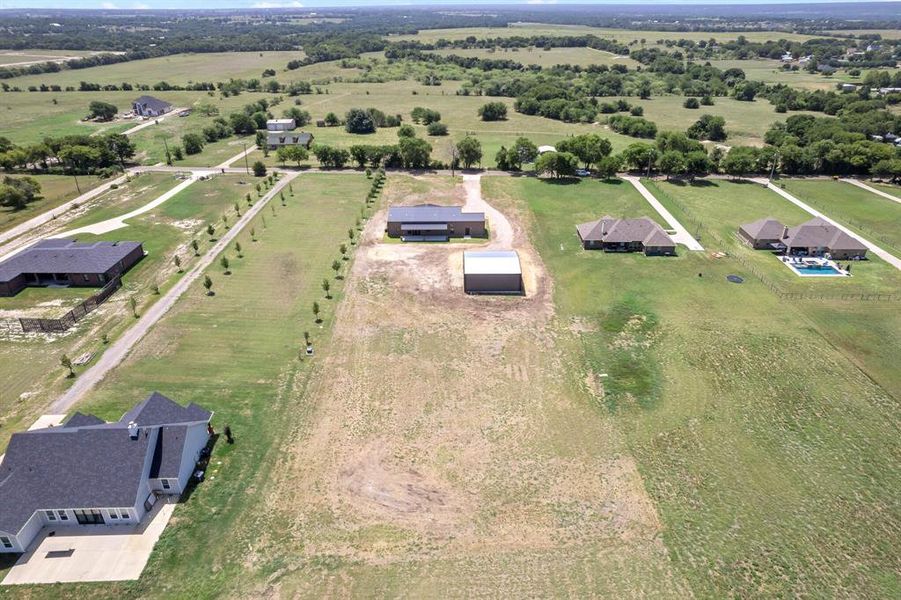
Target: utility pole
column 773, row 170
column 650, row 158
column 74, row 176
column 246, row 167
column 168, row 156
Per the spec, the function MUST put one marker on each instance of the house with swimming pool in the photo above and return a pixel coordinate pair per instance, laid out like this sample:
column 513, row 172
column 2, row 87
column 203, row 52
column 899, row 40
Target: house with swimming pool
column 816, row 237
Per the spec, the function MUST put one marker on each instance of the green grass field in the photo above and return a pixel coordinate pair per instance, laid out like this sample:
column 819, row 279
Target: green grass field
column 621, row 35
column 30, row 366
column 769, row 481
column 894, row 190
column 176, row 69
column 546, row 58
column 55, row 190
column 248, row 334
column 770, row 71
column 871, row 215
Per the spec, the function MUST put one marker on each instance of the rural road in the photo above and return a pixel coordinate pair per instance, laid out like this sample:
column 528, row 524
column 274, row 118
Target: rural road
column 119, row 222
column 868, row 188
column 237, row 157
column 500, row 229
column 878, row 251
column 120, row 348
column 682, row 236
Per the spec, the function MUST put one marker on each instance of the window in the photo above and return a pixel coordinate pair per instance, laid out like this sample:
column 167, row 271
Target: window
column 113, row 513
column 166, row 484
column 51, row 516
column 63, row 515
column 86, row 278
column 5, row 542
column 124, row 513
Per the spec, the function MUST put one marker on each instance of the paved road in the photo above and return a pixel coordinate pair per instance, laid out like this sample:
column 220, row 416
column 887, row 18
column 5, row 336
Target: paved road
column 238, row 156
column 868, row 188
column 682, row 236
column 500, row 230
column 119, row 222
column 153, row 121
column 889, row 258
column 120, row 348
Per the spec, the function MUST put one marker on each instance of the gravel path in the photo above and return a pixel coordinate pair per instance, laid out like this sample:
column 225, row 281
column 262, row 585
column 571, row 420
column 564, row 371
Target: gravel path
column 500, row 229
column 153, row 121
column 120, row 348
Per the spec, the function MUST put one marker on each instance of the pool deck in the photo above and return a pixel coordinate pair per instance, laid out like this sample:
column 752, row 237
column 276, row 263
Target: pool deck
column 793, row 264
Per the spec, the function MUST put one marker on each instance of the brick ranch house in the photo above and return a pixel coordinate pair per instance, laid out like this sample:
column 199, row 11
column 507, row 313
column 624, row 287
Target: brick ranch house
column 626, row 235
column 815, row 237
column 88, row 472
column 67, row 262
column 430, row 222
column 148, row 106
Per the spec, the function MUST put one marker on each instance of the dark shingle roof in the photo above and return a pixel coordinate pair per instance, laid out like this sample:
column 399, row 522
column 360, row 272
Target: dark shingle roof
column 821, row 234
column 611, row 230
column 154, row 103
column 764, row 229
column 157, row 409
column 66, row 256
column 432, row 213
column 302, row 138
column 82, row 420
column 67, row 467
column 91, row 464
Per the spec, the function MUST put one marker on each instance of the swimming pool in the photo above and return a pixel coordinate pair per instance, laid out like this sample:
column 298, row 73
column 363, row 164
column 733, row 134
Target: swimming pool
column 817, row 270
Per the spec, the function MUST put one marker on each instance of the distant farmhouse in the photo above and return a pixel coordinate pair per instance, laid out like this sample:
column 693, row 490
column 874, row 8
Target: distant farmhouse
column 492, row 272
column 67, row 262
column 626, row 235
column 148, row 106
column 430, row 222
column 815, row 237
column 88, row 472
column 280, row 132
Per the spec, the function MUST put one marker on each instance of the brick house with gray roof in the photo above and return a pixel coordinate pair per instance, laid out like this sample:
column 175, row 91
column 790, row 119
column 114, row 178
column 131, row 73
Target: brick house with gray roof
column 148, row 106
column 89, row 472
column 67, row 262
column 816, row 237
column 626, row 235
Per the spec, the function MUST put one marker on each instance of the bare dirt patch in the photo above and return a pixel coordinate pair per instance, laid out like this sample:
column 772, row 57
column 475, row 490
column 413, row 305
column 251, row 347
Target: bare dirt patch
column 443, row 427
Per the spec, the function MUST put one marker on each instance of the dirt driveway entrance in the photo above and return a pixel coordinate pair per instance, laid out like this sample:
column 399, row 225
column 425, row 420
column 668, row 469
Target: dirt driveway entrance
column 445, row 449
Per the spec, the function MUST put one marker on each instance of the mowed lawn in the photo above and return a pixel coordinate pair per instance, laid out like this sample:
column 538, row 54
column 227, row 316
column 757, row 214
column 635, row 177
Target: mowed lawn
column 236, row 353
column 874, row 217
column 29, row 366
column 771, row 457
column 55, row 190
column 722, row 206
column 178, row 69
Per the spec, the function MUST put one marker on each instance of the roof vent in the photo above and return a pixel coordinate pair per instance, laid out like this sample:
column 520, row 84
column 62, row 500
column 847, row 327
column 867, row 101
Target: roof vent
column 133, row 430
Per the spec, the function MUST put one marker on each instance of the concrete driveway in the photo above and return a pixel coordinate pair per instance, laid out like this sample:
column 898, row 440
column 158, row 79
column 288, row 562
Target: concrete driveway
column 91, row 552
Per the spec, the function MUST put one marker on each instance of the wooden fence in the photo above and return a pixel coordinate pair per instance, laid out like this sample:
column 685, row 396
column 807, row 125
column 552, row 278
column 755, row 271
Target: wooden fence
column 73, row 316
column 774, row 287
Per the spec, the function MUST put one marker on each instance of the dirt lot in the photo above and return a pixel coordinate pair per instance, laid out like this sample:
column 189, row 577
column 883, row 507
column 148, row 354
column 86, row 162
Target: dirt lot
column 446, row 445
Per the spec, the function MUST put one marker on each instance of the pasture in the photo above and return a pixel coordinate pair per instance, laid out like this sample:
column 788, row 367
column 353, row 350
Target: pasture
column 177, row 69
column 545, row 58
column 751, row 468
column 625, row 36
column 770, row 71
column 55, row 190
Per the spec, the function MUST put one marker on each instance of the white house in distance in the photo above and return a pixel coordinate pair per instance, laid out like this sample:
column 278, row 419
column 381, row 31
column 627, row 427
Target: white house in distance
column 89, row 472
column 280, row 124
column 148, row 106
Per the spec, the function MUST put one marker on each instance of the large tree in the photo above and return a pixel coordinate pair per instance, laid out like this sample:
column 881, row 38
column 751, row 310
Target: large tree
column 469, row 151
column 414, row 152
column 557, row 164
column 358, row 120
column 590, row 148
column 102, row 111
column 17, row 192
column 493, row 111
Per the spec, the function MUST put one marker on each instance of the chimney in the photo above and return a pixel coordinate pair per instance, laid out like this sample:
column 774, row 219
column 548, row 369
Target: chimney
column 784, row 232
column 133, row 430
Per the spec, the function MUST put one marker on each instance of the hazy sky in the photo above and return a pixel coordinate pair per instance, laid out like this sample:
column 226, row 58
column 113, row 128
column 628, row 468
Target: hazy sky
column 220, row 4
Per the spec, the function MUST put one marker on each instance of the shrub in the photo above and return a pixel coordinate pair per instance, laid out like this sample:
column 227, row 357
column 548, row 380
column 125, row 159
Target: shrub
column 437, row 129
